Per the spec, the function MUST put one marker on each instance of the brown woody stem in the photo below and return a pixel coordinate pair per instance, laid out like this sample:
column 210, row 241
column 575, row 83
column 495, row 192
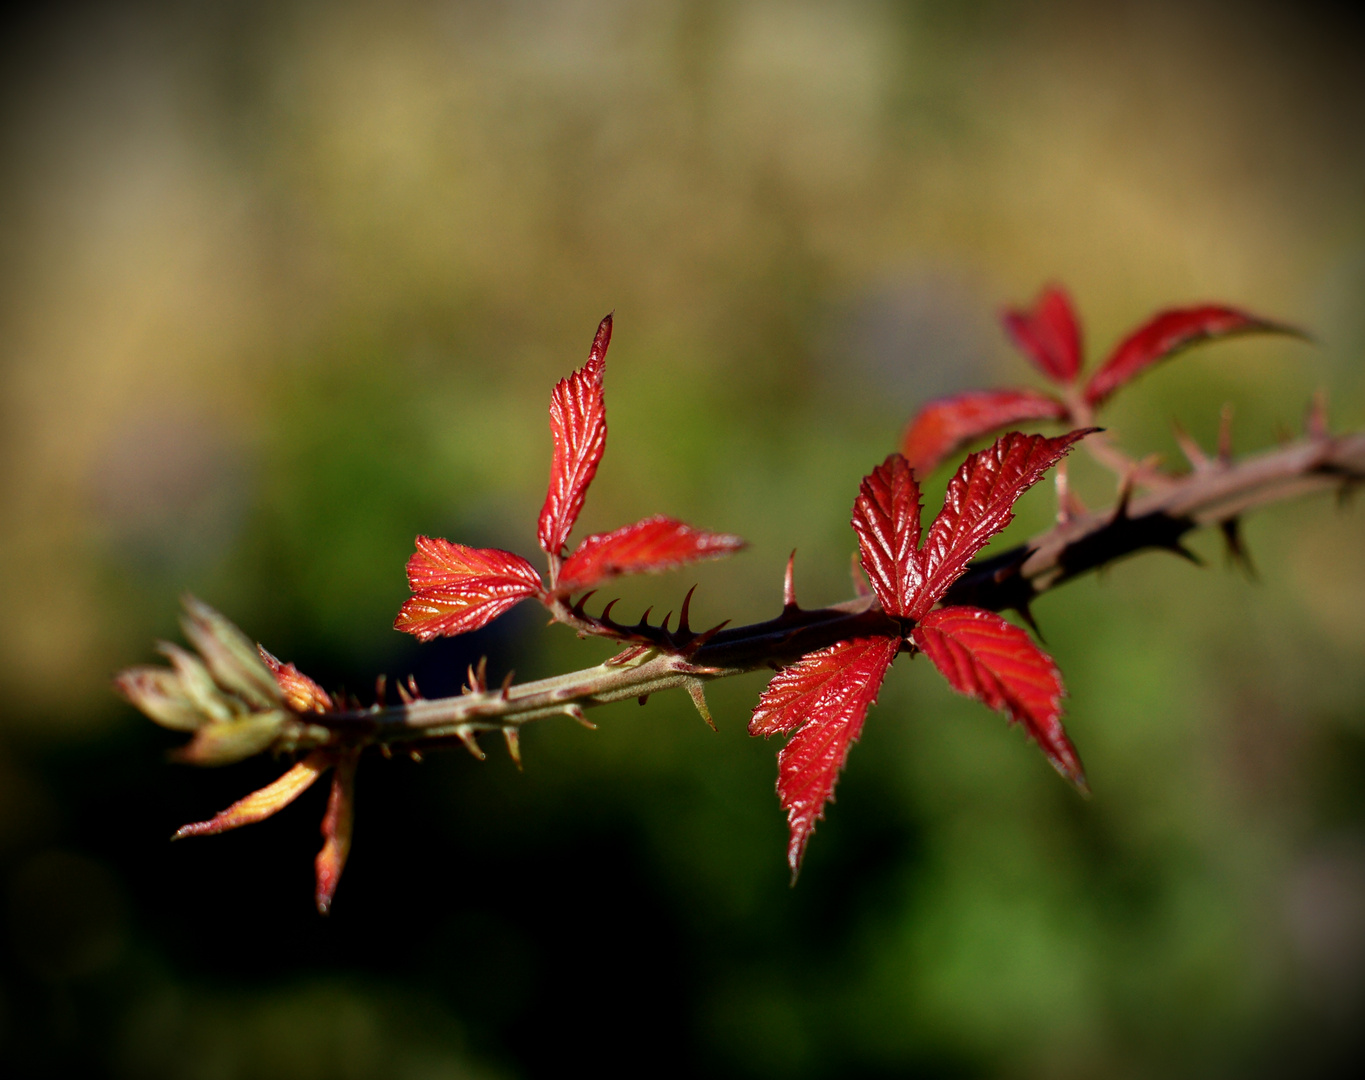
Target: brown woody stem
column 1216, row 492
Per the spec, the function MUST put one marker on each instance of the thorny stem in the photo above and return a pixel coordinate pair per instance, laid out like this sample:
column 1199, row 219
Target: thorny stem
column 1216, row 492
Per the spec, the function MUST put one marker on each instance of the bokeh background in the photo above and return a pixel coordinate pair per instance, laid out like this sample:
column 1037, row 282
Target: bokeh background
column 286, row 284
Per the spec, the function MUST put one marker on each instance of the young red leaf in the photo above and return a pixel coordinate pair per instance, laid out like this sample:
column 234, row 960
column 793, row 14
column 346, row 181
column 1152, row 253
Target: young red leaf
column 270, row 799
column 578, row 422
column 457, row 589
column 336, row 833
column 1168, row 333
column 979, row 503
column 300, row 692
column 657, row 543
column 985, row 657
column 944, row 425
column 1049, row 334
column 827, row 694
column 886, row 519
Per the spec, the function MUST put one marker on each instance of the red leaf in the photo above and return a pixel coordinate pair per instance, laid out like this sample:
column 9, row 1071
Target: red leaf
column 300, row 692
column 1049, row 334
column 827, row 694
column 337, row 824
column 269, row 800
column 1167, row 333
column 985, row 657
column 886, row 519
column 578, row 422
column 942, row 426
column 978, row 504
column 657, row 543
column 457, row 589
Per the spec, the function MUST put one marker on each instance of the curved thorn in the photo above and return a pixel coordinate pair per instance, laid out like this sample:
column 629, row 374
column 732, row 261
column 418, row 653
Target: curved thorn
column 576, row 712
column 683, row 627
column 577, row 609
column 1238, row 555
column 1027, row 615
column 1175, row 547
column 788, row 585
column 513, row 737
column 663, row 626
column 643, row 624
column 470, row 743
column 705, row 636
column 605, row 617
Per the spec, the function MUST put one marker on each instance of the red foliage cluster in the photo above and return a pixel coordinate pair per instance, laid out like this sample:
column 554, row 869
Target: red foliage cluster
column 1049, row 335
column 456, row 589
column 822, row 700
column 236, row 705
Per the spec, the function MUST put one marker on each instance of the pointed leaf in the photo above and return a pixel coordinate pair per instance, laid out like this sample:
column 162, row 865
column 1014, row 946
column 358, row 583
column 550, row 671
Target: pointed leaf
column 337, row 826
column 657, row 543
column 985, row 657
column 578, row 422
column 978, row 504
column 943, row 426
column 886, row 519
column 1166, row 334
column 300, row 692
column 270, row 799
column 158, row 692
column 457, row 589
column 1049, row 334
column 229, row 654
column 827, row 695
column 197, row 684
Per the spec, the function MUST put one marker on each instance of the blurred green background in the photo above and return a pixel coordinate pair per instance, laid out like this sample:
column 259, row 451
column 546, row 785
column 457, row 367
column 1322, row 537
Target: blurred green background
column 287, row 284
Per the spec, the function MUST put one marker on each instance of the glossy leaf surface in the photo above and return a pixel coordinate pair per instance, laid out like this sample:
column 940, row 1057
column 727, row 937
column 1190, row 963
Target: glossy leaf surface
column 979, row 503
column 578, row 423
column 823, row 698
column 457, row 589
column 886, row 517
column 1048, row 334
column 985, row 657
column 1166, row 334
column 300, row 692
column 657, row 543
column 261, row 804
column 945, row 425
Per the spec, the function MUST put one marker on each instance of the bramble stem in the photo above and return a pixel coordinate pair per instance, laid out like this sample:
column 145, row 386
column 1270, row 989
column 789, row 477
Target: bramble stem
column 1217, row 492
